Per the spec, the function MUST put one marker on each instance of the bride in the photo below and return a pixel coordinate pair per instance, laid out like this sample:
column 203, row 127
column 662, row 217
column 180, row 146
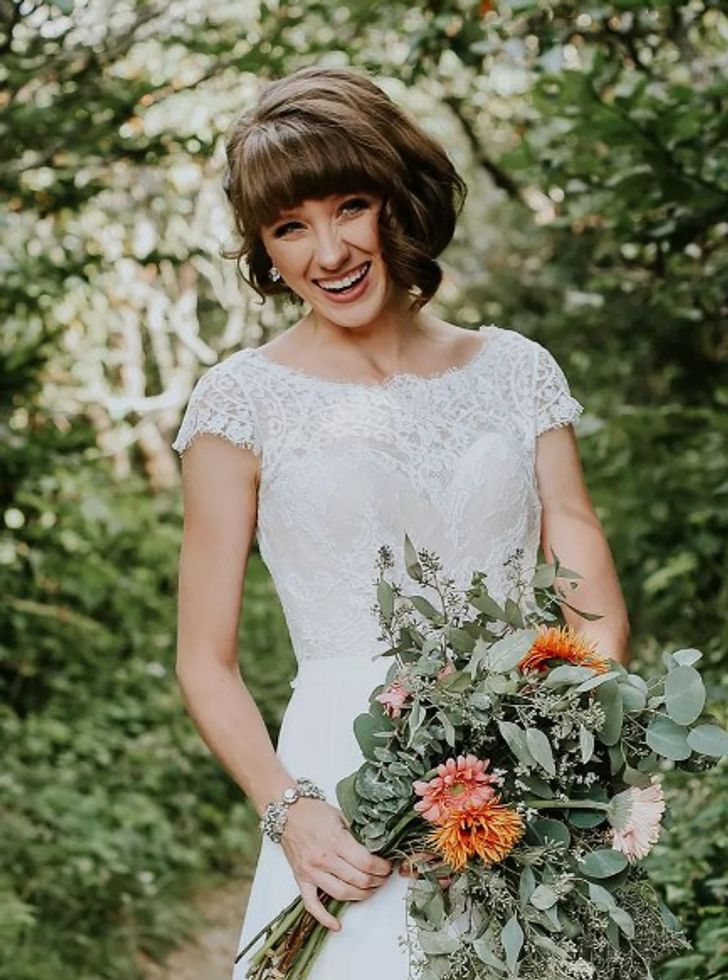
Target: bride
column 369, row 418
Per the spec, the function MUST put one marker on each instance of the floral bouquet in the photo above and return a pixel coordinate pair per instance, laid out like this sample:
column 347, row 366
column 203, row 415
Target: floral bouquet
column 516, row 770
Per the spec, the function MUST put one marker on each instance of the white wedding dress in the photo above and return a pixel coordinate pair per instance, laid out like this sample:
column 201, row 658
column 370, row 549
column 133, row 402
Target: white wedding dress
column 345, row 468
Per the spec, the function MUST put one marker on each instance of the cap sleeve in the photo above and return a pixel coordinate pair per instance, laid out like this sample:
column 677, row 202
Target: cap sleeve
column 555, row 405
column 219, row 406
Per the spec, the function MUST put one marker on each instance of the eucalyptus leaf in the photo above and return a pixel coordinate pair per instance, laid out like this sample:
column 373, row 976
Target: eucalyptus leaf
column 633, row 700
column 708, row 740
column 610, row 699
column 543, row 898
column 515, row 738
column 505, row 654
column 526, row 886
column 416, row 717
column 586, row 744
column 486, row 604
column 484, row 951
column 365, row 725
column 538, row 786
column 425, row 608
column 514, row 616
column 411, row 561
column 634, row 680
column 547, row 829
column 591, row 682
column 544, row 577
column 603, row 863
column 601, row 896
column 612, row 931
column 511, row 938
column 460, row 639
column 457, row 682
column 347, row 796
column 623, row 919
column 584, row 819
column 448, row 727
column 668, row 739
column 688, row 657
column 684, row 695
column 385, row 595
column 567, row 674
column 437, row 943
column 539, row 746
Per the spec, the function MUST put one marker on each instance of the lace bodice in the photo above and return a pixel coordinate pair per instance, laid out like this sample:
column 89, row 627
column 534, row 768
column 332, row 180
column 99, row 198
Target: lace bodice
column 347, row 467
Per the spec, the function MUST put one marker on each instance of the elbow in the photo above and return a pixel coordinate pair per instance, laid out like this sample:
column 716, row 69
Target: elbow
column 198, row 669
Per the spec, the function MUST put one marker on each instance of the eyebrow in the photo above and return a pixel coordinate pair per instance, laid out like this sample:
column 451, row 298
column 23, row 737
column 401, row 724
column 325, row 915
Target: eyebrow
column 287, row 212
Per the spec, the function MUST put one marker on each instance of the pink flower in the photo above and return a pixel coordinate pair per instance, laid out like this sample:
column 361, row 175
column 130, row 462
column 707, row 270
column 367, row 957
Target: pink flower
column 460, row 785
column 393, row 698
column 635, row 816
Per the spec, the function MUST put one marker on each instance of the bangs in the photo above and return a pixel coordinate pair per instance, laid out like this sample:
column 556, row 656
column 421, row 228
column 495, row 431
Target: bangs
column 288, row 161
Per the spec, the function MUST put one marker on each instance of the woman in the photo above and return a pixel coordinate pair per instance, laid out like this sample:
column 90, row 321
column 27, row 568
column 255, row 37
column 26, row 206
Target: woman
column 368, row 419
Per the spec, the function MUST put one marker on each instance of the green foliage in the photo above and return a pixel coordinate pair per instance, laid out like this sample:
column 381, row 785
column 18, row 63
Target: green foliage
column 111, row 803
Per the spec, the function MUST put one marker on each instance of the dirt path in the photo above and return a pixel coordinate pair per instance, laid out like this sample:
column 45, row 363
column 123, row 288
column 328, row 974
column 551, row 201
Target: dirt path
column 209, row 955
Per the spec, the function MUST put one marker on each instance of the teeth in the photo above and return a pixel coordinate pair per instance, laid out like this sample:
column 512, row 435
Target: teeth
column 348, row 281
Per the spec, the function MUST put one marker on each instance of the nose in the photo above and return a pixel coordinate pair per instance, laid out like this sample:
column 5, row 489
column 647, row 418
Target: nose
column 331, row 251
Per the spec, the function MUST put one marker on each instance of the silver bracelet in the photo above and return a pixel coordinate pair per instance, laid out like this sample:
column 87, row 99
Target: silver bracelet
column 275, row 815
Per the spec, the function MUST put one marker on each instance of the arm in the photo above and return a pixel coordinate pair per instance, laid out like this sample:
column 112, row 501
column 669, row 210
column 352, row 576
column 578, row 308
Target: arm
column 220, row 483
column 570, row 527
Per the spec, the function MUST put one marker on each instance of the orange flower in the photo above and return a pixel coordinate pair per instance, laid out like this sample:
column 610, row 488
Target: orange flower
column 490, row 832
column 562, row 643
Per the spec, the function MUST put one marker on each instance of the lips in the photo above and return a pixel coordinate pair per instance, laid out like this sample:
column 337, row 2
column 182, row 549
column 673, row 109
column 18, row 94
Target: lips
column 359, row 270
column 351, row 293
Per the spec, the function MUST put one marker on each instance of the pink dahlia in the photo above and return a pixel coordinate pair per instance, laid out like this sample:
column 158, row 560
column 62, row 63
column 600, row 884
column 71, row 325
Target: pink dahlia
column 393, row 698
column 460, row 785
column 635, row 816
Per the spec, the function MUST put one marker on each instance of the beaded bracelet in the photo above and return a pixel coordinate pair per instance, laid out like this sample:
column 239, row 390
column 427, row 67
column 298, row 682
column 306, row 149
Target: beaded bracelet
column 275, row 815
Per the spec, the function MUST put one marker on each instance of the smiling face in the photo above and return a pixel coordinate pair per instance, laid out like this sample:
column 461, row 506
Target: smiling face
column 327, row 251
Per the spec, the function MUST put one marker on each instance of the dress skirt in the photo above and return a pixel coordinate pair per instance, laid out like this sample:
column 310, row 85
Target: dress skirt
column 317, row 740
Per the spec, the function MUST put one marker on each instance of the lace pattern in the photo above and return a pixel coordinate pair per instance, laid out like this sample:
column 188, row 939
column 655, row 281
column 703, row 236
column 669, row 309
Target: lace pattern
column 347, row 467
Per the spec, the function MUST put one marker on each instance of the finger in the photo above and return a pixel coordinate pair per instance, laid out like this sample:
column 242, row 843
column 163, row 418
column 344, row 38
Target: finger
column 357, row 855
column 339, row 889
column 316, row 907
column 341, row 868
column 408, row 867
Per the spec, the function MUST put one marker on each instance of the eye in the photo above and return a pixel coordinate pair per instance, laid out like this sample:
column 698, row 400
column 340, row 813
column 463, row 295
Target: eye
column 355, row 204
column 281, row 230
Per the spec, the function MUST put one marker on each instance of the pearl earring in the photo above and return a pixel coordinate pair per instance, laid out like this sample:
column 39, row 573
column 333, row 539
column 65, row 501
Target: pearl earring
column 274, row 275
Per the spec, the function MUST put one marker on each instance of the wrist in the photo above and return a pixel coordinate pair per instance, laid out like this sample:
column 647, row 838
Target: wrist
column 275, row 815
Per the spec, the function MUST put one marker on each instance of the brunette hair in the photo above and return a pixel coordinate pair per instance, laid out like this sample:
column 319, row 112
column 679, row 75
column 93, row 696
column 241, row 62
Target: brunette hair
column 322, row 131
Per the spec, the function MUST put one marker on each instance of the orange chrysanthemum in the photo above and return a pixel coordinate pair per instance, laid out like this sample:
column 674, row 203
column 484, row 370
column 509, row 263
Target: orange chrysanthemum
column 490, row 832
column 562, row 643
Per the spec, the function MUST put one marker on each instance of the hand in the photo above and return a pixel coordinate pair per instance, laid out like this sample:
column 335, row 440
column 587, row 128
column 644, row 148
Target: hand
column 407, row 868
column 324, row 854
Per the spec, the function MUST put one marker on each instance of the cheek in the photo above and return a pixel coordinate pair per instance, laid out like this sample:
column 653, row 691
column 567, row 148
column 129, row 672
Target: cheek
column 366, row 234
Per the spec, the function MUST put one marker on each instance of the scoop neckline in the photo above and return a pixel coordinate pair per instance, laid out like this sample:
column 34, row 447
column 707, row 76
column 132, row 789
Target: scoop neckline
column 399, row 377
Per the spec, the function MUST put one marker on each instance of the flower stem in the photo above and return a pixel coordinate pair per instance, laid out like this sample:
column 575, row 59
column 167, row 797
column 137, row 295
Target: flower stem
column 284, row 921
column 308, row 954
column 567, row 805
